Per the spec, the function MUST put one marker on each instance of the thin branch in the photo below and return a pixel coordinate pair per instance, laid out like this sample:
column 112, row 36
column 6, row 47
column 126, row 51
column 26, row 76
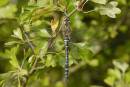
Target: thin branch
column 33, row 50
column 34, row 65
column 71, row 13
column 39, row 68
column 23, row 61
column 85, row 2
column 27, row 38
column 89, row 11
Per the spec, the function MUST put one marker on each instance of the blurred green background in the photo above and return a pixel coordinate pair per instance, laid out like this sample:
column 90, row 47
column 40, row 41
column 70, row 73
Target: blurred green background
column 99, row 47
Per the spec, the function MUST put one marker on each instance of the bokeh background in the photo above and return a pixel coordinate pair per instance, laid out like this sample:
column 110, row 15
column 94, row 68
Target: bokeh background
column 99, row 47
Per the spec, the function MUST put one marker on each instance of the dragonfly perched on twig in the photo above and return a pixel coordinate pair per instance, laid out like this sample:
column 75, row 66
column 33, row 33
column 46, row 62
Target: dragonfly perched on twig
column 66, row 33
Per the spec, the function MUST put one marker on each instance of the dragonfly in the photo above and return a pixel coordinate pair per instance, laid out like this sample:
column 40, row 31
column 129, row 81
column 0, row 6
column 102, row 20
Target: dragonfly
column 66, row 31
column 66, row 34
column 65, row 28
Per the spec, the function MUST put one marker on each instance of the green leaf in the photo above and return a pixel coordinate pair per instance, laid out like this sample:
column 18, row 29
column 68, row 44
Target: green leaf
column 13, row 58
column 100, row 1
column 31, row 59
column 110, row 81
column 59, row 84
column 42, row 3
column 81, row 51
column 67, row 2
column 60, row 59
column 50, row 61
column 109, row 9
column 121, row 66
column 11, row 43
column 127, row 77
column 1, row 83
column 113, row 75
column 93, row 62
column 8, row 11
column 17, row 34
column 44, row 33
column 8, row 79
column 5, row 76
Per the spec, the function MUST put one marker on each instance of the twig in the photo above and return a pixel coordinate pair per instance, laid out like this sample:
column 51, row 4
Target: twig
column 34, row 65
column 27, row 38
column 89, row 11
column 32, row 48
column 71, row 13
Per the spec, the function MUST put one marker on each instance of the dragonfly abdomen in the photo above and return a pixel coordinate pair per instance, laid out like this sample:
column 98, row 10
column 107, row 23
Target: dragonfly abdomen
column 66, row 42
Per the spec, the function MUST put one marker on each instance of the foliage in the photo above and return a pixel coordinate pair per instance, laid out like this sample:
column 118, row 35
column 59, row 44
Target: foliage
column 32, row 52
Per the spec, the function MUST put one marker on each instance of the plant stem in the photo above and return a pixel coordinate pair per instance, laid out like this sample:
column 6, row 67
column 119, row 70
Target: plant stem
column 71, row 13
column 89, row 11
column 27, row 38
column 32, row 48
